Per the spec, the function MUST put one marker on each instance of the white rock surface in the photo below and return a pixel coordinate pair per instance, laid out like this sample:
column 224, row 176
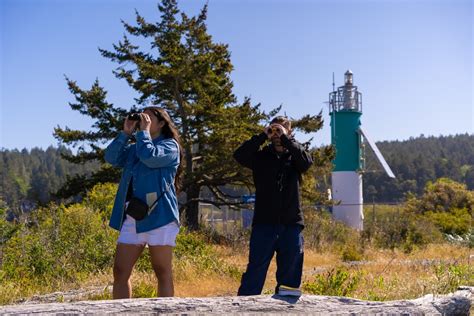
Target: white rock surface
column 458, row 303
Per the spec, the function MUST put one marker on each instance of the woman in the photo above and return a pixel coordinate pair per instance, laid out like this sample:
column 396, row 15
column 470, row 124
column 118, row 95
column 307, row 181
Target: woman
column 151, row 173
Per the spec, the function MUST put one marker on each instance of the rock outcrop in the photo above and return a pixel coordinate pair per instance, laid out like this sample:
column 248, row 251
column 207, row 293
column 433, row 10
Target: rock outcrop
column 458, row 303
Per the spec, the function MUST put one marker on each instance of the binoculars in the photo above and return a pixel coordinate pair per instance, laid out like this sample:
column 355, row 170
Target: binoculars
column 134, row 117
column 273, row 130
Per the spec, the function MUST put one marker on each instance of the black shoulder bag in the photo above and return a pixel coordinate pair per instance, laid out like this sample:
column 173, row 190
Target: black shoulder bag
column 138, row 209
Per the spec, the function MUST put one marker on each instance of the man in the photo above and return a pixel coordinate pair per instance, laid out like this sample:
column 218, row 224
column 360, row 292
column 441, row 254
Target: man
column 278, row 220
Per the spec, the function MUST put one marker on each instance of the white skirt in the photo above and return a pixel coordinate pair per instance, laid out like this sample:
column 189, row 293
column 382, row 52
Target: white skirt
column 161, row 236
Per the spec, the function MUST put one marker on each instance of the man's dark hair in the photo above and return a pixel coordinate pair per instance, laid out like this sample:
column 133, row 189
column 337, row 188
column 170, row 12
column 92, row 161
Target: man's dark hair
column 282, row 120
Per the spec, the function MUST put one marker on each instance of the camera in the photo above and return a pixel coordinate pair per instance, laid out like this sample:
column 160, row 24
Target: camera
column 134, row 117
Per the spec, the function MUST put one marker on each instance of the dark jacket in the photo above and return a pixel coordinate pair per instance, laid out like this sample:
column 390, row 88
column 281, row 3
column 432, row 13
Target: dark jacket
column 276, row 178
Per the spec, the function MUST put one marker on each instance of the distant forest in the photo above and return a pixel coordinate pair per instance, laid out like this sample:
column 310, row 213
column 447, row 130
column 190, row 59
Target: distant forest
column 30, row 177
column 416, row 161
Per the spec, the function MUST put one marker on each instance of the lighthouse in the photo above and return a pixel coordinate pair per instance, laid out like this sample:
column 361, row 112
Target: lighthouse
column 345, row 109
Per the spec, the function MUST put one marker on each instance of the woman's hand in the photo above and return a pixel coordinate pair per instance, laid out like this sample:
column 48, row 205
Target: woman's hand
column 129, row 126
column 145, row 122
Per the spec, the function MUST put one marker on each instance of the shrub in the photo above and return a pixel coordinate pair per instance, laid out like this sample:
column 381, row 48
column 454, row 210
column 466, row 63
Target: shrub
column 193, row 249
column 322, row 231
column 59, row 243
column 393, row 228
column 144, row 289
column 377, row 290
column 448, row 277
column 101, row 198
column 352, row 252
column 336, row 282
column 457, row 222
column 446, row 203
column 7, row 229
column 237, row 237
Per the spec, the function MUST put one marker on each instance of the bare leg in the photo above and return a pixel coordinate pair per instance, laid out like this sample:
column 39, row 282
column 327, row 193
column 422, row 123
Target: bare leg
column 161, row 257
column 125, row 258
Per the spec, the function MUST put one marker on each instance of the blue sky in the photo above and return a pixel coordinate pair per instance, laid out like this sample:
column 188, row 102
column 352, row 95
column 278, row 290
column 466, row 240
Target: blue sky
column 412, row 60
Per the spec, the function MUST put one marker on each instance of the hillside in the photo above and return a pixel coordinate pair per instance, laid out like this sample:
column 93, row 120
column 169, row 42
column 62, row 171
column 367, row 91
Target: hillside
column 30, row 177
column 416, row 161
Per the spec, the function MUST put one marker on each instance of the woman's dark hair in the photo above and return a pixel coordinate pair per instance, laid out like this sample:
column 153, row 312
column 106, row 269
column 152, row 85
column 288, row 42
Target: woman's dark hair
column 170, row 130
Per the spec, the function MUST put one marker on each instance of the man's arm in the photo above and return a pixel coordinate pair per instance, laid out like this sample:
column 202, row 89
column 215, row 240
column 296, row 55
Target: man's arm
column 299, row 155
column 246, row 152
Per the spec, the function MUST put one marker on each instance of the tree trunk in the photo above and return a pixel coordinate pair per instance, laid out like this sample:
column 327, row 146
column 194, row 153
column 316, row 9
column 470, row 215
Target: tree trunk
column 192, row 209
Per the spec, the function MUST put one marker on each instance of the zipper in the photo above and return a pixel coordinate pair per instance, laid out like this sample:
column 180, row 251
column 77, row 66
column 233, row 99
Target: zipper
column 280, row 187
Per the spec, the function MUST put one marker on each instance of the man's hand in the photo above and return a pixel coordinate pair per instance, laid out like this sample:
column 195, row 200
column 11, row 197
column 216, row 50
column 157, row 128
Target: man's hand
column 268, row 131
column 129, row 126
column 275, row 130
column 145, row 122
column 278, row 130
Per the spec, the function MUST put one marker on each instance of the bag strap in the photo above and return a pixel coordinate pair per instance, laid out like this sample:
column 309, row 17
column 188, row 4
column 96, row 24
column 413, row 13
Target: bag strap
column 156, row 201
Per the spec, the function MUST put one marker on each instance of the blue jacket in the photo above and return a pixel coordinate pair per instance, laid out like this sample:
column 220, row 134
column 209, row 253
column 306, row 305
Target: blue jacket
column 153, row 165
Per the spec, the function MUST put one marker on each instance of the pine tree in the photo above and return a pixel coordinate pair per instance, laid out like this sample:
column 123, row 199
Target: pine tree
column 188, row 74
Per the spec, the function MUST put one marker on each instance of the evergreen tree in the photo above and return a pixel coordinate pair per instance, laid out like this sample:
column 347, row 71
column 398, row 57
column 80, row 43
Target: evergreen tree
column 188, row 74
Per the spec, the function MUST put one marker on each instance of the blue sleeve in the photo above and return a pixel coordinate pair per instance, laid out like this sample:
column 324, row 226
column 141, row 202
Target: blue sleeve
column 163, row 154
column 117, row 151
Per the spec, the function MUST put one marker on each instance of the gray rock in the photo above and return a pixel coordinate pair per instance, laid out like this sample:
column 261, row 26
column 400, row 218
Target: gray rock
column 457, row 303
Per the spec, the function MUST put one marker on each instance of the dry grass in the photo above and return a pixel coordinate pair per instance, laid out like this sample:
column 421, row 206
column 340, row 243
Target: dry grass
column 386, row 275
column 431, row 252
column 391, row 275
column 214, row 285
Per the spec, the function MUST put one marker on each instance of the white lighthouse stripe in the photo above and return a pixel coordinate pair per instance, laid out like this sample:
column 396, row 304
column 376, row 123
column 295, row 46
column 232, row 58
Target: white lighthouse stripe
column 347, row 188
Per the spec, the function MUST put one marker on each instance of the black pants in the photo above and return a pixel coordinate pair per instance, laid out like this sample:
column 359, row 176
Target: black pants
column 288, row 242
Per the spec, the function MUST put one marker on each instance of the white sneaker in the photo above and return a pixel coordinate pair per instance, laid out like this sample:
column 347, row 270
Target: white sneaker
column 284, row 290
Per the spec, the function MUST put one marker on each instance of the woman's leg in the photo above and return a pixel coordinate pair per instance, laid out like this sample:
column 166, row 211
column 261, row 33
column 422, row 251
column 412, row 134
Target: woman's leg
column 125, row 258
column 161, row 261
